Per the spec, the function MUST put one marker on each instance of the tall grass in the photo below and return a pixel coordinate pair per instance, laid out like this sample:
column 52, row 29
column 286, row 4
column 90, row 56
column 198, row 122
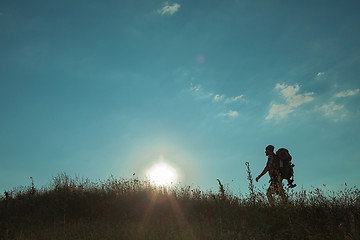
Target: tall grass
column 118, row 208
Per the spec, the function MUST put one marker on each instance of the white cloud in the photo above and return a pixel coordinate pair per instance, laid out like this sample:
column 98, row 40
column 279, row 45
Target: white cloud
column 279, row 110
column 333, row 110
column 198, row 92
column 347, row 93
column 235, row 99
column 337, row 111
column 291, row 97
column 194, row 88
column 219, row 97
column 300, row 99
column 292, row 101
column 168, row 9
column 288, row 91
column 320, row 76
column 230, row 114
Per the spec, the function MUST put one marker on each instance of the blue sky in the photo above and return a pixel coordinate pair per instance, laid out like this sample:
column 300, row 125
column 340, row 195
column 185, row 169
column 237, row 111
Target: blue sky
column 94, row 88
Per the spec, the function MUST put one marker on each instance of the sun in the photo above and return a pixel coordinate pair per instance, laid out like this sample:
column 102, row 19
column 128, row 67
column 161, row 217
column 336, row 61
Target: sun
column 162, row 174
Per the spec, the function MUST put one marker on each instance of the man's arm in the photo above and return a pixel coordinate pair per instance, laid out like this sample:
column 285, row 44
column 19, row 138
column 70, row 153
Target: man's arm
column 266, row 169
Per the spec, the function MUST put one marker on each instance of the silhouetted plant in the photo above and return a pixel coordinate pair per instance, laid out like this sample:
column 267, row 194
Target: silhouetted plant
column 117, row 208
column 251, row 183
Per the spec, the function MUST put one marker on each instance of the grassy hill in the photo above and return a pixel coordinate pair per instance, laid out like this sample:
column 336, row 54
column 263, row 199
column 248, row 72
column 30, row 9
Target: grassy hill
column 132, row 209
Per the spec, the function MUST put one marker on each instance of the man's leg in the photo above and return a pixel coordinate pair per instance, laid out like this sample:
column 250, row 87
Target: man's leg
column 280, row 190
column 269, row 194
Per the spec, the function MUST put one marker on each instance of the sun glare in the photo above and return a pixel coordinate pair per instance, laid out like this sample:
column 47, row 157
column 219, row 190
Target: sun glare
column 162, row 174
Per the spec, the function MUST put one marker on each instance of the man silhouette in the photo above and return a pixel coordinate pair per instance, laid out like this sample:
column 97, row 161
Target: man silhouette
column 272, row 166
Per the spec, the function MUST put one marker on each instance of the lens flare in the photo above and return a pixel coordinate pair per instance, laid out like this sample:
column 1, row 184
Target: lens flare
column 200, row 59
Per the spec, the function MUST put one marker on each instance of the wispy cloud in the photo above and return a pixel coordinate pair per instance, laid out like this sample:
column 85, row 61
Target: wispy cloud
column 333, row 110
column 347, row 93
column 336, row 111
column 227, row 100
column 194, row 88
column 279, row 110
column 291, row 97
column 168, row 9
column 219, row 97
column 320, row 77
column 329, row 104
column 235, row 99
column 197, row 91
column 220, row 100
column 230, row 114
column 292, row 101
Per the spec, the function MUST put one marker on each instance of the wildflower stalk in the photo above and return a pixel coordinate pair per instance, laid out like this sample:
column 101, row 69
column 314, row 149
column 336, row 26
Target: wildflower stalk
column 222, row 190
column 251, row 183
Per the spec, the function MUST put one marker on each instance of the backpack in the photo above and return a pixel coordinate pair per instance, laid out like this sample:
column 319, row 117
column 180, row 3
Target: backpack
column 286, row 166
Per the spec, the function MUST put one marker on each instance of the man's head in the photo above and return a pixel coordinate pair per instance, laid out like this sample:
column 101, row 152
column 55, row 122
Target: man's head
column 269, row 149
